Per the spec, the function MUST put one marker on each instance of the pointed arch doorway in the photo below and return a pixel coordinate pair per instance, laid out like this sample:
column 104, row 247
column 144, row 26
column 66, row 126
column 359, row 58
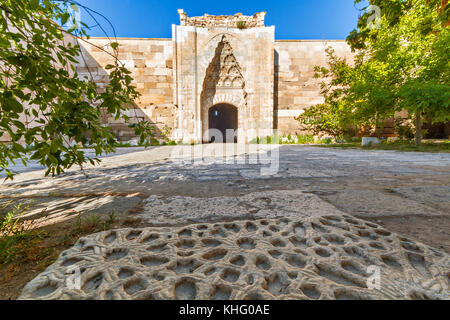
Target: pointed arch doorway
column 223, row 123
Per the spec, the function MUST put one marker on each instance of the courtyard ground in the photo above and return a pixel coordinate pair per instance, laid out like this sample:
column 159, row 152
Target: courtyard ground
column 163, row 188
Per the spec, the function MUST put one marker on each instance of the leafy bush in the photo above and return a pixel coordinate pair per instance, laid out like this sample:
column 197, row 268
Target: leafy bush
column 322, row 119
column 305, row 139
column 404, row 129
column 9, row 223
column 289, row 139
column 16, row 237
column 327, row 140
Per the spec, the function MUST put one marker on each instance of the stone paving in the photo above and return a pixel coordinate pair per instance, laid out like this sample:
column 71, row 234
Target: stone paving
column 331, row 257
column 174, row 186
column 139, row 169
column 257, row 205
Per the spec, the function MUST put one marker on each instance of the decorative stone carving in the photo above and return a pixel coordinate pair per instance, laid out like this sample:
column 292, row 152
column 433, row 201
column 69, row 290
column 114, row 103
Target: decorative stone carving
column 215, row 58
column 327, row 257
column 235, row 21
column 224, row 70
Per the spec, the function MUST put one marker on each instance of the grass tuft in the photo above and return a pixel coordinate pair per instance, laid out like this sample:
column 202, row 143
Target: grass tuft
column 406, row 146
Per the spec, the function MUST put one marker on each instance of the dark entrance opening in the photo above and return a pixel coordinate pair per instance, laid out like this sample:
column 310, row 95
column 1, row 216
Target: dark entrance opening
column 223, row 117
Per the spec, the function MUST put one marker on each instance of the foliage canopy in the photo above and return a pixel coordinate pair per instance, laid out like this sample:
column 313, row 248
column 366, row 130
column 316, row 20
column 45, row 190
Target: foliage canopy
column 402, row 62
column 44, row 102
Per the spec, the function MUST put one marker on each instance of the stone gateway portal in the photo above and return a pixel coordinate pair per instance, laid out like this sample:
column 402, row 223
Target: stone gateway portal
column 216, row 63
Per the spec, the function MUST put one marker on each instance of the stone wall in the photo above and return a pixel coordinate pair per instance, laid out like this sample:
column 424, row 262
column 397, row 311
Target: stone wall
column 296, row 89
column 210, row 61
column 213, row 60
column 150, row 63
column 32, row 121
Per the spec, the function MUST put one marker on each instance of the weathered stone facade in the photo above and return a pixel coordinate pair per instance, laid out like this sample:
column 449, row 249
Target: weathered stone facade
column 150, row 63
column 296, row 89
column 212, row 61
column 223, row 65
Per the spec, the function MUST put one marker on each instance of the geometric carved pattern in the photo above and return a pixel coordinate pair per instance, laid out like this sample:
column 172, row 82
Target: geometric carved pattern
column 225, row 70
column 328, row 257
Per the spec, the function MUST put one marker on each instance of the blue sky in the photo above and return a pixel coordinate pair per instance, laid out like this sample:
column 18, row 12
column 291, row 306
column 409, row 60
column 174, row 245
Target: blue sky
column 300, row 19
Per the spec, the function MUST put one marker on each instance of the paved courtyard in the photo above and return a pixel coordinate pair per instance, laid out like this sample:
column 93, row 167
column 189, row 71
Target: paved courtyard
column 401, row 198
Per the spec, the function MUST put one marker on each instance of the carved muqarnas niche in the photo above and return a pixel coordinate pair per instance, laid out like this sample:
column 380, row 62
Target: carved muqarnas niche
column 224, row 71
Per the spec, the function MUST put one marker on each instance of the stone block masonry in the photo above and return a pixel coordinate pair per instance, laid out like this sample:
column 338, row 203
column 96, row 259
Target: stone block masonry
column 296, row 89
column 215, row 63
column 151, row 64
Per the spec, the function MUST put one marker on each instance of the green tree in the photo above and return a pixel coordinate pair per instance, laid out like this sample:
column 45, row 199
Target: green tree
column 401, row 63
column 356, row 95
column 39, row 84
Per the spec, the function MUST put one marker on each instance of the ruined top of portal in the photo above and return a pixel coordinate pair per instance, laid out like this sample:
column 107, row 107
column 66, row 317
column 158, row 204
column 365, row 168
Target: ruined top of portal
column 235, row 21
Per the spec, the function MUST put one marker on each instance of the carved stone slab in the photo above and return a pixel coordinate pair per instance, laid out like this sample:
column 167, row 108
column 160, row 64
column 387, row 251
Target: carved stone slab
column 327, row 257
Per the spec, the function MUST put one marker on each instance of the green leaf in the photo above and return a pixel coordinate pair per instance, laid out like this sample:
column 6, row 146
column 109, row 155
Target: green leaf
column 34, row 4
column 114, row 45
column 12, row 104
column 64, row 104
column 64, row 18
column 18, row 147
